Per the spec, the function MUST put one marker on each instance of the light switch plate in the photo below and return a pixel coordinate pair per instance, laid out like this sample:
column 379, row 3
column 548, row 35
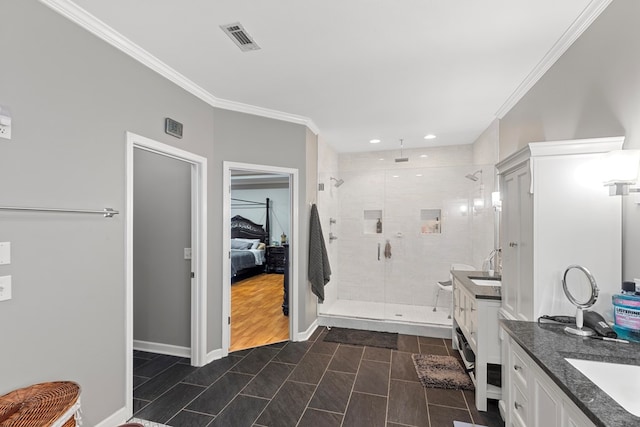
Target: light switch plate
column 5, row 288
column 187, row 253
column 5, row 253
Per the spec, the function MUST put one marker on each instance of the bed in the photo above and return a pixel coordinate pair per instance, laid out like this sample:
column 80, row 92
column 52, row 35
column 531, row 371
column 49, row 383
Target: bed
column 248, row 241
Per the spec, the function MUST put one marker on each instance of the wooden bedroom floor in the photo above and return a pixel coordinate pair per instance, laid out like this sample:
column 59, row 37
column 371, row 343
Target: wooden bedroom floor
column 256, row 312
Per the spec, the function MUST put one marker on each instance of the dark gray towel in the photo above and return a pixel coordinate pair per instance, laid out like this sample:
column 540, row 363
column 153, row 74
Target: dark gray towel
column 319, row 269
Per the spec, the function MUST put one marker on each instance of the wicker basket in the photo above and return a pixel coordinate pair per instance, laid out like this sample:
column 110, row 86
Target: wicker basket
column 41, row 405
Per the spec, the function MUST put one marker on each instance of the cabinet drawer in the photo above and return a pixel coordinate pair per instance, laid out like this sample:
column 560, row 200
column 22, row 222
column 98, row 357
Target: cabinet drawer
column 520, row 406
column 472, row 313
column 519, row 368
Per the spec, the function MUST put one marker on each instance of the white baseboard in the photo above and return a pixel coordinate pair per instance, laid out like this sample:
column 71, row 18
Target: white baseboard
column 303, row 336
column 154, row 347
column 213, row 355
column 115, row 419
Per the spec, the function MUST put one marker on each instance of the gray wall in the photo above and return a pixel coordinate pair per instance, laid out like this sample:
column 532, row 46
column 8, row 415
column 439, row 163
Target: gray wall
column 307, row 300
column 161, row 231
column 239, row 138
column 591, row 91
column 72, row 98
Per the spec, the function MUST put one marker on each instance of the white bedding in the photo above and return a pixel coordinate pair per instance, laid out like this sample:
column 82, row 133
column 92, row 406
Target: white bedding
column 259, row 254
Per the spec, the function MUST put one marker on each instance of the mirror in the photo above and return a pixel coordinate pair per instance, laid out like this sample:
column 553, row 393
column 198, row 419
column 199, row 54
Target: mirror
column 581, row 290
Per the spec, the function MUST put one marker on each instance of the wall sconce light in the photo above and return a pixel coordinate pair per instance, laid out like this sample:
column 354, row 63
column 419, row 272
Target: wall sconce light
column 495, row 201
column 620, row 171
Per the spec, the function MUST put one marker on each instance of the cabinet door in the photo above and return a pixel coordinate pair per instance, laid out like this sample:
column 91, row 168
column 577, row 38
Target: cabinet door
column 524, row 299
column 517, row 243
column 509, row 236
column 546, row 404
column 572, row 417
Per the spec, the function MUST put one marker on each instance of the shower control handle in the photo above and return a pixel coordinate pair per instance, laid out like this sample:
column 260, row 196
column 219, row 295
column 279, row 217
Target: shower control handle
column 378, row 251
column 512, row 244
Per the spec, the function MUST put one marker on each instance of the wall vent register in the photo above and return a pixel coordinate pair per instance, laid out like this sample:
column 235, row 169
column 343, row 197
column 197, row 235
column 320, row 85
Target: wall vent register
column 240, row 37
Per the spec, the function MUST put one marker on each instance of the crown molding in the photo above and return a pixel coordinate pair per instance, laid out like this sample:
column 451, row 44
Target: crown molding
column 581, row 23
column 84, row 19
column 266, row 112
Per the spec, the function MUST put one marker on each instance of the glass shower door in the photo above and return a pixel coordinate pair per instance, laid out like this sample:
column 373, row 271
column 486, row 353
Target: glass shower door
column 361, row 246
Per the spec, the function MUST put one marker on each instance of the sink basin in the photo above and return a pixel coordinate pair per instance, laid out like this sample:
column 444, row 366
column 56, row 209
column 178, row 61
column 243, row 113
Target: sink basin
column 487, row 282
column 621, row 382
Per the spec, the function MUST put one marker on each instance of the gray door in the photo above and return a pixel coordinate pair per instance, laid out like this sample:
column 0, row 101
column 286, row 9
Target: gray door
column 161, row 232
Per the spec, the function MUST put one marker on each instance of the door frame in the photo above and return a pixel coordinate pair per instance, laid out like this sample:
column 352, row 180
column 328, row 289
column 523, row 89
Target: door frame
column 294, row 190
column 198, row 252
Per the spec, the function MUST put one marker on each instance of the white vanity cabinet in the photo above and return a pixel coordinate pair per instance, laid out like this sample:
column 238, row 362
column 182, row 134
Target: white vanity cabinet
column 555, row 213
column 466, row 313
column 532, row 398
column 477, row 318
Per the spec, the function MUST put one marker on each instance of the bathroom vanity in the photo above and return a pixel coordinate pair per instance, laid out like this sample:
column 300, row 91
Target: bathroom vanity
column 556, row 212
column 544, row 388
column 476, row 302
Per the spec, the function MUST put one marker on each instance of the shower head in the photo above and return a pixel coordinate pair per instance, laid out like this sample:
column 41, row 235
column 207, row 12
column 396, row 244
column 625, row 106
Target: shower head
column 401, row 159
column 338, row 183
column 474, row 176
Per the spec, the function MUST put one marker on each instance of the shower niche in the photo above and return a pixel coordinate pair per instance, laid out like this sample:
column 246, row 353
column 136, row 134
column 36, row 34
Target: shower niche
column 372, row 223
column 430, row 221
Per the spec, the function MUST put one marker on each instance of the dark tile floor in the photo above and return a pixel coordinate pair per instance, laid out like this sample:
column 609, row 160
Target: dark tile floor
column 312, row 383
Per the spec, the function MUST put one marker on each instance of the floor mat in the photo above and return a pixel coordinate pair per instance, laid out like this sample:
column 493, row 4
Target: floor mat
column 441, row 372
column 358, row 337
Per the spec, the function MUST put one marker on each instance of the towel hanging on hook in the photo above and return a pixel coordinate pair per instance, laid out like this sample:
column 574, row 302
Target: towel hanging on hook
column 387, row 249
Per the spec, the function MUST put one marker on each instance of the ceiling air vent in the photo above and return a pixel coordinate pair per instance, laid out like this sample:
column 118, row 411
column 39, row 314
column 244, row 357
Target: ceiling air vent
column 239, row 35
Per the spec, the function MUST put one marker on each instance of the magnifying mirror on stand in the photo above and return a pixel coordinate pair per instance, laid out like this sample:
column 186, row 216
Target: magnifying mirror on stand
column 581, row 290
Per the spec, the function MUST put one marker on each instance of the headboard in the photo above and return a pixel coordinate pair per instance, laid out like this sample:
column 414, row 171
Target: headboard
column 243, row 228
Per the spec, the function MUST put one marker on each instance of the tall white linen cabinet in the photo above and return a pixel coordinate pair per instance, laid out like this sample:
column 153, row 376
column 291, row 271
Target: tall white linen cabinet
column 556, row 212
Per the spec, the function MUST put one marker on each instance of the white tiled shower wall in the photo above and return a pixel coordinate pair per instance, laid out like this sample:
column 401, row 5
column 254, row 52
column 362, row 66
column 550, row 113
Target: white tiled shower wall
column 328, row 208
column 373, row 181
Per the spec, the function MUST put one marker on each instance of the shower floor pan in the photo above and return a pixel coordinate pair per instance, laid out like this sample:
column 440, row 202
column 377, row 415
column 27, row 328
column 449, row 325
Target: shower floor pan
column 402, row 318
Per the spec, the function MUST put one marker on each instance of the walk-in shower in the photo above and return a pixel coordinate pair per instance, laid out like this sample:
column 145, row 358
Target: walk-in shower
column 423, row 218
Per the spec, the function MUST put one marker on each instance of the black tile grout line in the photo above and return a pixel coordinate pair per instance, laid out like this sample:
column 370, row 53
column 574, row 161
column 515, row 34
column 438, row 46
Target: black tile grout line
column 219, row 378
column 205, row 388
column 282, row 385
column 386, row 412
column 322, row 410
column 353, row 386
column 276, row 392
column 373, row 394
column 306, row 406
column 426, row 402
column 466, row 402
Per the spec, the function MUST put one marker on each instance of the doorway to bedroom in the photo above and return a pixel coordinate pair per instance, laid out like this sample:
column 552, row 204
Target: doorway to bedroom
column 259, row 211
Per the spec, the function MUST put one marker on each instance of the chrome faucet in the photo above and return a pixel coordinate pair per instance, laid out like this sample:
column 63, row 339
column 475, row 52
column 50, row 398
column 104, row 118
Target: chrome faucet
column 493, row 262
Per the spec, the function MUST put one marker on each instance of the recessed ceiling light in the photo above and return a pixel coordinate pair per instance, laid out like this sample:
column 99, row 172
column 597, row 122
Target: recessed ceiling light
column 423, row 155
column 374, row 141
column 430, row 136
column 418, row 174
column 396, row 176
column 380, row 158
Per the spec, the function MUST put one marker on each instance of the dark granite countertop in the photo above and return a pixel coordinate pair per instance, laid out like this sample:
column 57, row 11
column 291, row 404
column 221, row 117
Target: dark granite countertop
column 480, row 292
column 548, row 345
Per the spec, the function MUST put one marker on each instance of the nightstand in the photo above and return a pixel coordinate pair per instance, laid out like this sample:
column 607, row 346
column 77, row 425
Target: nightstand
column 276, row 259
